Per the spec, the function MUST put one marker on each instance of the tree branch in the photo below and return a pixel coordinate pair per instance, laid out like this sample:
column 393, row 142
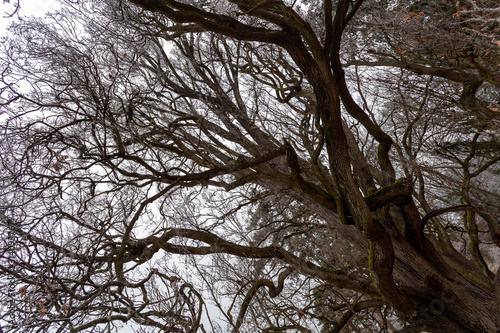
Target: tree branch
column 273, row 292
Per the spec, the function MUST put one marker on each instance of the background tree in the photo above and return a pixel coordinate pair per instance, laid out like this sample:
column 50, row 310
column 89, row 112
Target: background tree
column 321, row 166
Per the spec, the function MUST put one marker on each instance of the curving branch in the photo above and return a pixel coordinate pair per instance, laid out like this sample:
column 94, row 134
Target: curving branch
column 145, row 248
column 274, row 291
column 353, row 309
column 222, row 24
column 441, row 211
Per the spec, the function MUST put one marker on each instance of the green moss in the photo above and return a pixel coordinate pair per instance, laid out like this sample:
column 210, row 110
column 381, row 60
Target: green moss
column 442, row 241
column 397, row 183
column 468, row 274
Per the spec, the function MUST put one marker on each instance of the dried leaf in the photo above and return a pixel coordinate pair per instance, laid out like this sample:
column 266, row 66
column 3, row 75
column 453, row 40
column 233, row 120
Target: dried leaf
column 23, row 290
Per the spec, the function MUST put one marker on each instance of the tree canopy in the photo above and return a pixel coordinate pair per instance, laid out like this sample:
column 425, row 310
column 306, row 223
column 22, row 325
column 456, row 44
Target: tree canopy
column 303, row 166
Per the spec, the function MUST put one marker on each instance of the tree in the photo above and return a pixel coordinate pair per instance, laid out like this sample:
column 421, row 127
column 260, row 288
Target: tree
column 320, row 166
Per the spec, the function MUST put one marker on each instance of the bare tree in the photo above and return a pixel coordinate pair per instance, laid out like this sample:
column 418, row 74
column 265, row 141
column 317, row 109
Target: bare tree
column 320, row 166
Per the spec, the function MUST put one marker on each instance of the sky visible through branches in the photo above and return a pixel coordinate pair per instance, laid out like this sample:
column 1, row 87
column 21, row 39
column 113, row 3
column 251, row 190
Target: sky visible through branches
column 306, row 166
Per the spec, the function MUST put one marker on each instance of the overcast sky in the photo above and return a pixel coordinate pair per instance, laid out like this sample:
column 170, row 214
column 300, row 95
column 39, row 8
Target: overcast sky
column 27, row 8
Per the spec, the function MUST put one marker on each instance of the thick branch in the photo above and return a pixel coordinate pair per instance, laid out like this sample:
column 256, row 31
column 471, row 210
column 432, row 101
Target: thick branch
column 149, row 246
column 441, row 211
column 273, row 292
column 221, row 24
column 354, row 308
column 445, row 73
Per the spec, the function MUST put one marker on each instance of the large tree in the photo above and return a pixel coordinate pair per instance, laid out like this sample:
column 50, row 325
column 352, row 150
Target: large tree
column 314, row 166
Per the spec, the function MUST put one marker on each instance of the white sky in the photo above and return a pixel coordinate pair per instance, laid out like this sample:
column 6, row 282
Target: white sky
column 28, row 8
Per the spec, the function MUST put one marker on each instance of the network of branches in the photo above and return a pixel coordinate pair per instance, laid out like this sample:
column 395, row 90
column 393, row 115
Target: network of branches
column 251, row 166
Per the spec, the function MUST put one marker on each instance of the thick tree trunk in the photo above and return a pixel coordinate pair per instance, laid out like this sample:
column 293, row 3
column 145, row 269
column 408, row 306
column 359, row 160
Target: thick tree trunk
column 443, row 303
